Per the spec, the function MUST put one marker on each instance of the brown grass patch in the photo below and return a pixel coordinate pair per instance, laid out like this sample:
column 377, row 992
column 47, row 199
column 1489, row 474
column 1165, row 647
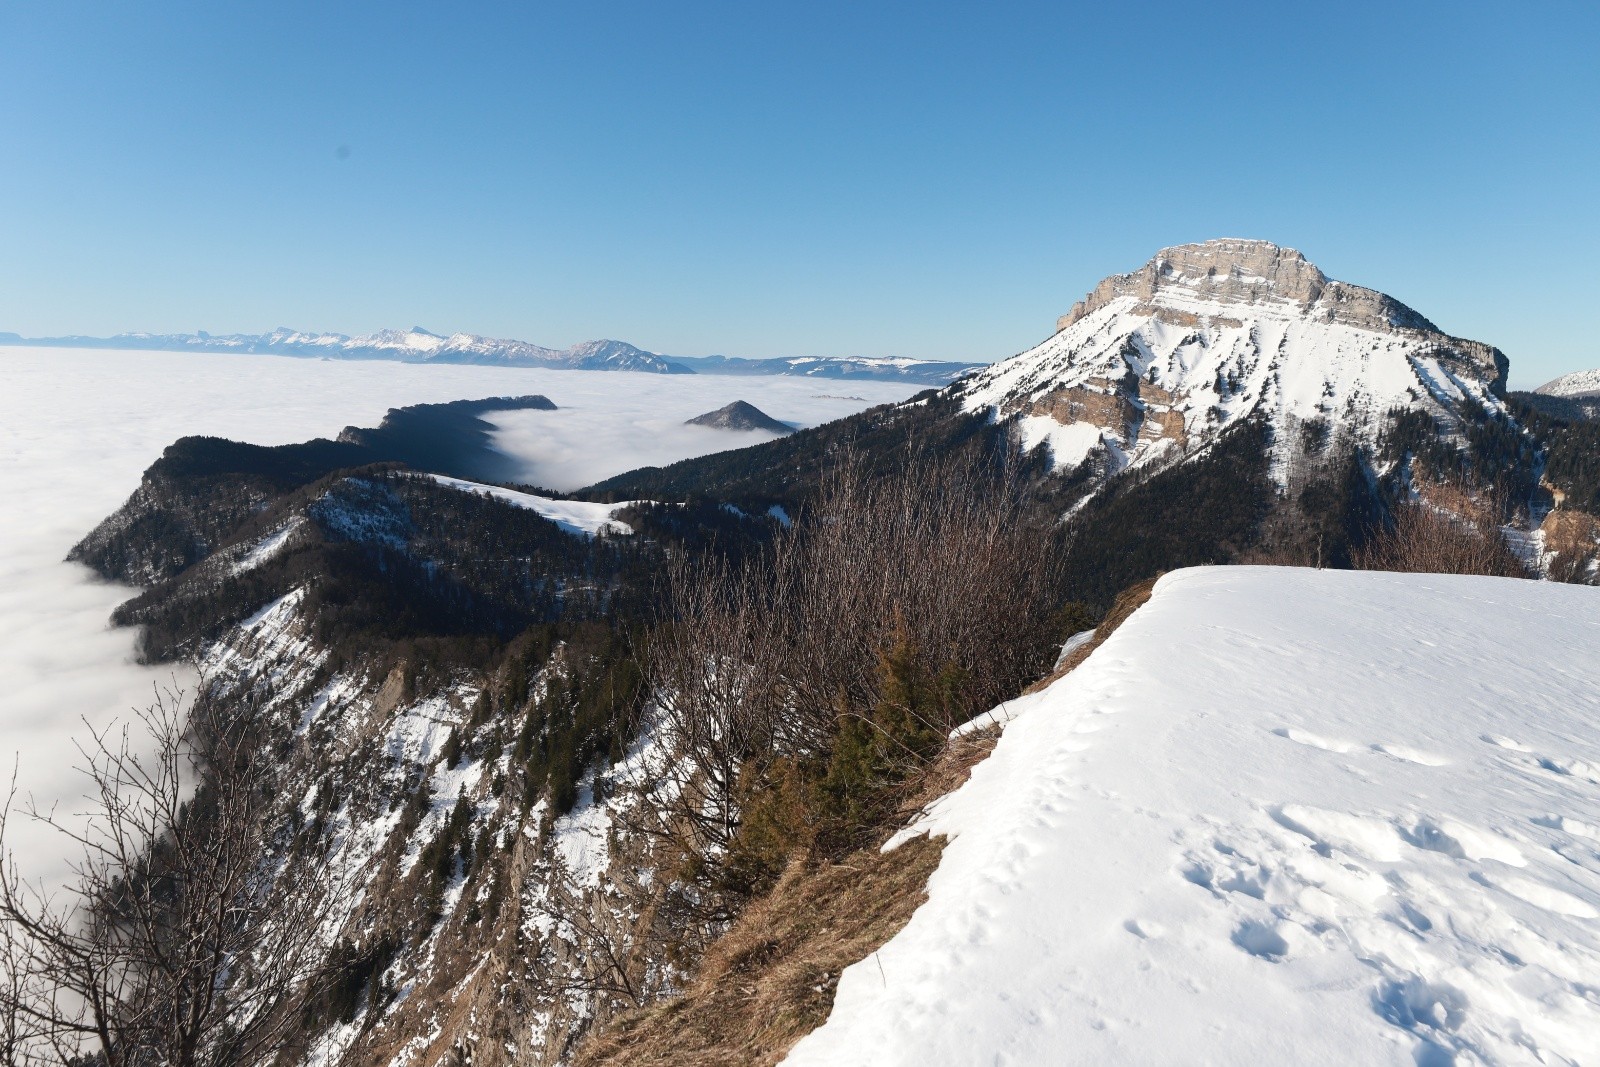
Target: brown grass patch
column 771, row 979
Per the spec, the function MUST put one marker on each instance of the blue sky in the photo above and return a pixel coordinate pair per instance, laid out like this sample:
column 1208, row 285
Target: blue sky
column 784, row 179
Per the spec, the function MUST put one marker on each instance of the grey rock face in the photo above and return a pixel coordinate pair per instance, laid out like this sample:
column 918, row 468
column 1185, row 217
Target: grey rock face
column 1248, row 275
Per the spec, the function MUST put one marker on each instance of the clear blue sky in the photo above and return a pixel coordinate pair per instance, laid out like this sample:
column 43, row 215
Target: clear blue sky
column 781, row 179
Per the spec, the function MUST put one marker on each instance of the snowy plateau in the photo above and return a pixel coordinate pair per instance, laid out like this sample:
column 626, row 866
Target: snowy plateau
column 1279, row 816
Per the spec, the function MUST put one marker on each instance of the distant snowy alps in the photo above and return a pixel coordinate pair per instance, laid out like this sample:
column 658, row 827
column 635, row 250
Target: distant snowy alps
column 418, row 345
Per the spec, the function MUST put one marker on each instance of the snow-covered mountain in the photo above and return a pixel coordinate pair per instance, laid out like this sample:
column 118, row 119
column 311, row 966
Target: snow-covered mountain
column 932, row 372
column 1155, row 363
column 415, row 345
column 1581, row 383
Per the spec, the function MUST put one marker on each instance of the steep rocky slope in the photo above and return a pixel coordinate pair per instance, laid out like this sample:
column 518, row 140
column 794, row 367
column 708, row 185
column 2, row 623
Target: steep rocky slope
column 1227, row 401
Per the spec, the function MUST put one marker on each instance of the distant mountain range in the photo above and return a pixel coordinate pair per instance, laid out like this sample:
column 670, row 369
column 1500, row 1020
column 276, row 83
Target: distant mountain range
column 418, row 345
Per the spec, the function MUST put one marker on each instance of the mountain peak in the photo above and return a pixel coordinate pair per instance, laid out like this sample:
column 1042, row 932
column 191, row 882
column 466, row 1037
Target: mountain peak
column 1157, row 363
column 1233, row 278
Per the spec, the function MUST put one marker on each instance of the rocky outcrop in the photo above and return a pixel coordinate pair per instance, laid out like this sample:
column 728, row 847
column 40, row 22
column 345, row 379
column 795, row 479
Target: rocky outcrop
column 1246, row 274
column 1130, row 409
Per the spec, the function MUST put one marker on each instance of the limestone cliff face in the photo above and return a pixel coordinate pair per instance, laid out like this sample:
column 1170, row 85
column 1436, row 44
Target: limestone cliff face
column 1248, row 275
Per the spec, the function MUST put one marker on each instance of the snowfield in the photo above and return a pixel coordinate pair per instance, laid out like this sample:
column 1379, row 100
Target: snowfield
column 1280, row 816
column 1578, row 383
column 578, row 517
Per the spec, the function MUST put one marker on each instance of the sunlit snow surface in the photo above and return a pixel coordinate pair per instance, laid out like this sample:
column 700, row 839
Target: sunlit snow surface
column 77, row 428
column 1281, row 816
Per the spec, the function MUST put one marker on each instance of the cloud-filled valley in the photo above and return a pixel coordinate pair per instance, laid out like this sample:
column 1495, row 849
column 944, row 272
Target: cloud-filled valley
column 77, row 428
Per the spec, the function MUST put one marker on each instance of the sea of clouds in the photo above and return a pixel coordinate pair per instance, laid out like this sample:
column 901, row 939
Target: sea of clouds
column 77, row 428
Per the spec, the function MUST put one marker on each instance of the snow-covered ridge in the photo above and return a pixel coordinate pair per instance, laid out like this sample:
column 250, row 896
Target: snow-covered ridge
column 1280, row 816
column 574, row 516
column 1579, row 383
column 1158, row 361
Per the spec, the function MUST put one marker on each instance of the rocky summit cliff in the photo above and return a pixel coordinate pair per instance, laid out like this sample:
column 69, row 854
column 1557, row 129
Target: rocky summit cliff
column 1156, row 362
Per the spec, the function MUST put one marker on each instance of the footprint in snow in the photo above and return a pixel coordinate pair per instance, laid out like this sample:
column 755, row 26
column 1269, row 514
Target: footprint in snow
column 1410, row 755
column 1144, row 929
column 1571, row 768
column 1311, row 740
column 1462, row 841
column 1567, row 826
column 1260, row 939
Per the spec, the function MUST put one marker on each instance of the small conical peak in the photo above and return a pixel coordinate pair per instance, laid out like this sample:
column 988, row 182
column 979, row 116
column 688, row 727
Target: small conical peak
column 1233, row 278
column 740, row 415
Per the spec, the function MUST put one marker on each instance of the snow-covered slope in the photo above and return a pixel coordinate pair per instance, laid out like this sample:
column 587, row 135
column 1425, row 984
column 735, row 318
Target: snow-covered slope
column 1583, row 383
column 1154, row 363
column 573, row 516
column 1280, row 816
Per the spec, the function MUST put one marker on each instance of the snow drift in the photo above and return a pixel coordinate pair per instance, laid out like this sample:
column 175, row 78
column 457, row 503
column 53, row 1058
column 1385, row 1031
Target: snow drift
column 1279, row 816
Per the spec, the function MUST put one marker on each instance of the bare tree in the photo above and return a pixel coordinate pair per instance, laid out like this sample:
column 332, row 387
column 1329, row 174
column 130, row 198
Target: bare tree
column 191, row 935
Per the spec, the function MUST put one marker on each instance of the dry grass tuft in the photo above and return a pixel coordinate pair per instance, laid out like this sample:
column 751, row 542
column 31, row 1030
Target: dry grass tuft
column 771, row 979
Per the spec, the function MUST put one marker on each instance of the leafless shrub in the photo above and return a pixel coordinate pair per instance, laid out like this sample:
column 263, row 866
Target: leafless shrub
column 187, row 939
column 1448, row 531
column 941, row 564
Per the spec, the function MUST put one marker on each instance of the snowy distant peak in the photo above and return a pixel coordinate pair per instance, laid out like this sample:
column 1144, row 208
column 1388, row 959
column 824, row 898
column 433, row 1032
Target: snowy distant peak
column 1247, row 277
column 1582, row 383
column 1157, row 362
column 418, row 345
